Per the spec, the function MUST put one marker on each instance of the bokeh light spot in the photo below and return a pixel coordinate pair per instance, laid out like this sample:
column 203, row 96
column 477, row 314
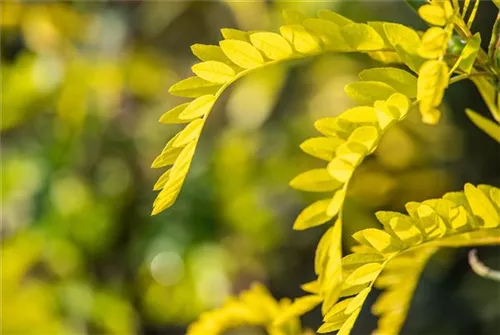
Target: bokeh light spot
column 167, row 268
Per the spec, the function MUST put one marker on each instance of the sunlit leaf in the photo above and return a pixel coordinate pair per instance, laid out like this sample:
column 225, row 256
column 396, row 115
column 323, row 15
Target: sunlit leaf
column 434, row 43
column 334, row 17
column 272, row 45
column 316, row 180
column 242, row 53
column 298, row 307
column 364, row 274
column 486, row 125
column 362, row 37
column 172, row 116
column 209, row 53
column 189, row 133
column 215, row 72
column 301, row 39
column 193, row 87
column 321, row 147
column 469, row 53
column 432, row 82
column 401, row 80
column 358, row 301
column 313, row 215
column 433, row 14
column 367, row 92
column 234, row 34
column 198, row 107
column 482, row 206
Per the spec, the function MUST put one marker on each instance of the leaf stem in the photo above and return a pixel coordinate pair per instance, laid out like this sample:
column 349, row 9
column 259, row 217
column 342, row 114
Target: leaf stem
column 464, row 76
column 482, row 270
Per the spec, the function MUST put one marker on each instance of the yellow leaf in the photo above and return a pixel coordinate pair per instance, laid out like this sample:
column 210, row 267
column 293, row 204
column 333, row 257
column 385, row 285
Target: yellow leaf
column 334, row 17
column 379, row 28
column 362, row 37
column 340, row 169
column 482, row 206
column 359, row 115
column 447, row 7
column 348, row 291
column 330, row 326
column 242, row 53
column 486, row 125
column 428, row 220
column 386, row 57
column 193, row 87
column 166, row 158
column 272, row 45
column 336, row 203
column 493, row 193
column 433, row 14
column 172, row 116
column 198, row 107
column 434, row 43
column 406, row 230
column 234, row 34
column 469, row 53
column 331, row 276
column 432, row 82
column 402, row 81
column 358, row 301
column 190, row 133
column 321, row 147
column 347, row 326
column 327, row 126
column 173, row 186
column 367, row 136
column 322, row 250
column 405, row 37
column 385, row 115
column 336, row 313
column 401, row 103
column 459, row 220
column 351, row 152
column 430, row 115
column 299, row 307
column 215, row 72
column 161, row 181
column 168, row 155
column 405, row 41
column 412, row 60
column 301, row 39
column 316, row 180
column 209, row 53
column 313, row 215
column 357, row 259
column 367, row 92
column 329, row 33
column 364, row 274
column 378, row 239
column 311, row 287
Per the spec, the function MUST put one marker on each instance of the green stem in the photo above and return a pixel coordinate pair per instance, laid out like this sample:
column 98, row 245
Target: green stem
column 464, row 76
column 494, row 42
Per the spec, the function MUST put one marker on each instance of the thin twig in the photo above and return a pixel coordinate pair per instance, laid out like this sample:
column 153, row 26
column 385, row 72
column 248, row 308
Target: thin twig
column 468, row 75
column 481, row 269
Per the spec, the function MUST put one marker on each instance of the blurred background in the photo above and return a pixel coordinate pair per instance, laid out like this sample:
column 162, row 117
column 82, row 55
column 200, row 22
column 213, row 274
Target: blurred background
column 83, row 85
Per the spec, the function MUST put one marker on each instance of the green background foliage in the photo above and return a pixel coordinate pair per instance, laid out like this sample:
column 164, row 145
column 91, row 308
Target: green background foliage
column 83, row 85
